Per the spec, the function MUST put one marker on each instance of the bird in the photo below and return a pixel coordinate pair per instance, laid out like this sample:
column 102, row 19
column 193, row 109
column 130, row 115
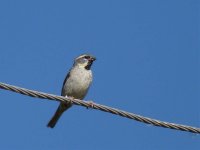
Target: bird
column 76, row 84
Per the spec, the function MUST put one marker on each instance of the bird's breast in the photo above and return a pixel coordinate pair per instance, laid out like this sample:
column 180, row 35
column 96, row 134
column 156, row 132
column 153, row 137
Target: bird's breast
column 78, row 83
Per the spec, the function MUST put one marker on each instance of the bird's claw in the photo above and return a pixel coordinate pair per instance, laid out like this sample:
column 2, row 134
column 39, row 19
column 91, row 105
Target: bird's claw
column 91, row 104
column 70, row 98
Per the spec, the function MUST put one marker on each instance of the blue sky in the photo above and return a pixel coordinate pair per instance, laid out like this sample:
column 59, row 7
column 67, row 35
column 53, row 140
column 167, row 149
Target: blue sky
column 147, row 63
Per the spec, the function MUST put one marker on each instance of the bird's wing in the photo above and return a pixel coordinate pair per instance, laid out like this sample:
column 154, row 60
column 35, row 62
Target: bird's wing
column 67, row 76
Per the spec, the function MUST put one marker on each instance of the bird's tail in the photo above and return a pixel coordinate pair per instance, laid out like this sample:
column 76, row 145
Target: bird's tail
column 61, row 108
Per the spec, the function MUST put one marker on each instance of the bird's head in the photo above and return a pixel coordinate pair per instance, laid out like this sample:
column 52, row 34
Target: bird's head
column 84, row 61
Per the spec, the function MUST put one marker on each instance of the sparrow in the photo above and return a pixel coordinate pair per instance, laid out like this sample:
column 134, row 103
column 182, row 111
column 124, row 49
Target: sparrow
column 75, row 85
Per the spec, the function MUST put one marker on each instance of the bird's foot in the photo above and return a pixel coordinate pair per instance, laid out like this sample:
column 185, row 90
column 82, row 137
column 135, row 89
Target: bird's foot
column 70, row 99
column 91, row 104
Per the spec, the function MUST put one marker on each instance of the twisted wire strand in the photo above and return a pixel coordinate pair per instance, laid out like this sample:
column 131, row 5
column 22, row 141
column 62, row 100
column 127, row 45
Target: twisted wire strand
column 100, row 107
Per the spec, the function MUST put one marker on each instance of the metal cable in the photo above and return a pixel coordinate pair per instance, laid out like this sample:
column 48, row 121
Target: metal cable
column 100, row 107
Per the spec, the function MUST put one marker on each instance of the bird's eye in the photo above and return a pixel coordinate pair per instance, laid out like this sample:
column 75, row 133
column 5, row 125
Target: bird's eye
column 87, row 57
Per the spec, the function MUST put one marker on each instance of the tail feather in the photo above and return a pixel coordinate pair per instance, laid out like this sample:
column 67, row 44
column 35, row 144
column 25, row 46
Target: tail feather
column 61, row 108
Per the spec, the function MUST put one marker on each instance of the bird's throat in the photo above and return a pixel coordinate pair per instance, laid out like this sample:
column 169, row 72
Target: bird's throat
column 88, row 66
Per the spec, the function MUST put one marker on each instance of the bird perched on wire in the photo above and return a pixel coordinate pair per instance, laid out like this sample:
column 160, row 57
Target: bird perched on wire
column 76, row 84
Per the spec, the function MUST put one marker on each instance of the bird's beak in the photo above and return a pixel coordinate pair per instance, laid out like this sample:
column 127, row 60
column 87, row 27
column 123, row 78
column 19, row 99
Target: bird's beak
column 93, row 58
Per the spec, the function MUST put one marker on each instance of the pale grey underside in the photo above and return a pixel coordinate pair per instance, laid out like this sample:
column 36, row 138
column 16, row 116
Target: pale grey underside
column 78, row 82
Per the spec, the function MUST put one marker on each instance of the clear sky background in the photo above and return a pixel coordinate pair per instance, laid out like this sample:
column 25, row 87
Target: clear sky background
column 147, row 63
